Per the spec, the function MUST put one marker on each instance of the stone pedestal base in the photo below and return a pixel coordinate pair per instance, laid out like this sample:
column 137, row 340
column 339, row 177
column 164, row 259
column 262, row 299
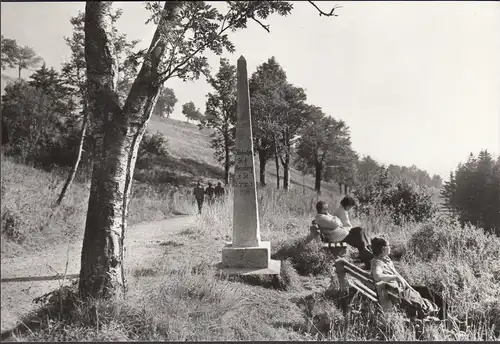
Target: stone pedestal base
column 249, row 260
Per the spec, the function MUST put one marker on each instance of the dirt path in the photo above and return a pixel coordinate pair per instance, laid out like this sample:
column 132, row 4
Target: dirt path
column 25, row 278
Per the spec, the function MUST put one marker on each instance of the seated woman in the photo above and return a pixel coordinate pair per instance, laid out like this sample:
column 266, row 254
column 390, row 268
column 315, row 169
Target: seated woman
column 382, row 269
column 342, row 211
column 335, row 230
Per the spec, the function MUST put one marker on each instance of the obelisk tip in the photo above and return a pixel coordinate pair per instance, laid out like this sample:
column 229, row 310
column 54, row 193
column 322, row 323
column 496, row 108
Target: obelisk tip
column 241, row 58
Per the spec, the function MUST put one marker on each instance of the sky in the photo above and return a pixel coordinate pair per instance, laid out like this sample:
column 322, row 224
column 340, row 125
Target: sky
column 417, row 82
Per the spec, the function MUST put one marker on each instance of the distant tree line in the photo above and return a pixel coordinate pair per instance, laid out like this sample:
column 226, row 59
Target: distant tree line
column 473, row 192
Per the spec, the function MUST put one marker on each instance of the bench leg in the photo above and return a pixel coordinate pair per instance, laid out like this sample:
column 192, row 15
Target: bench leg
column 383, row 296
column 344, row 287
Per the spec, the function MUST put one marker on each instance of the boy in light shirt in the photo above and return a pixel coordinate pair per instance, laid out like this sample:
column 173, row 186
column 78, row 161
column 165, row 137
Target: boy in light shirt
column 383, row 270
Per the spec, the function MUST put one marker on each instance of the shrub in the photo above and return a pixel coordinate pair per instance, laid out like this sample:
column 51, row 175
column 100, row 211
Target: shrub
column 307, row 259
column 409, row 202
column 155, row 144
column 12, row 226
column 404, row 202
column 435, row 239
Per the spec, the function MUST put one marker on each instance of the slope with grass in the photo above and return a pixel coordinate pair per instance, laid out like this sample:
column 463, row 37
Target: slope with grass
column 27, row 194
column 191, row 147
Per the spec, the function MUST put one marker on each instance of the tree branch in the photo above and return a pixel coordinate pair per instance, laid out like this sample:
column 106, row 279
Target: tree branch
column 265, row 27
column 168, row 74
column 321, row 13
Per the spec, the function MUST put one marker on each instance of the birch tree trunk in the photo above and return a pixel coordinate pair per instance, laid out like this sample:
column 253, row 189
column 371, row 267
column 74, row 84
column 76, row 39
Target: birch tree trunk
column 117, row 137
column 74, row 169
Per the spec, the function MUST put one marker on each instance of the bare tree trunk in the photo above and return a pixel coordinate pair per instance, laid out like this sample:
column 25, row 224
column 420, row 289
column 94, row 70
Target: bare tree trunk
column 227, row 162
column 277, row 162
column 19, row 77
column 72, row 174
column 262, row 165
column 117, row 137
column 5, row 132
column 317, row 180
column 345, row 189
column 286, row 177
column 286, row 171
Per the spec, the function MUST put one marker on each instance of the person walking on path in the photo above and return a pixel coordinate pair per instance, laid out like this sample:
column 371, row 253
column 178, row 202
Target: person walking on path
column 199, row 195
column 219, row 191
column 210, row 192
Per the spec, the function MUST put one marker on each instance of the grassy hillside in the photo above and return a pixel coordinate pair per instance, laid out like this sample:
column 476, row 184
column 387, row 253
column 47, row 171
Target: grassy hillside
column 191, row 148
column 27, row 194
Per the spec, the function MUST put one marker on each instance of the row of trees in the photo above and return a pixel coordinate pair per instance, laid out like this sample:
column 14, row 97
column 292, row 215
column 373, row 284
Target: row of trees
column 292, row 132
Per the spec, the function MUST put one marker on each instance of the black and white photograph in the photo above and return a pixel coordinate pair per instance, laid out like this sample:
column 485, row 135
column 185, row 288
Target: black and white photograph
column 250, row 171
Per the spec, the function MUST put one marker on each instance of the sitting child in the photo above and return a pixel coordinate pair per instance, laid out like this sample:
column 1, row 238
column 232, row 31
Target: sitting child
column 382, row 269
column 334, row 230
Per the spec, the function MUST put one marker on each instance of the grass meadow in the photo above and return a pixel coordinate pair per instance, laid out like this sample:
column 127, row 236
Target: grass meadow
column 183, row 297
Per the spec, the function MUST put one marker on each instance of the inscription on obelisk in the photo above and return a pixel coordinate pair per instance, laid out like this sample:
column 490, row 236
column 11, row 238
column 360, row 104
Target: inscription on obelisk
column 246, row 228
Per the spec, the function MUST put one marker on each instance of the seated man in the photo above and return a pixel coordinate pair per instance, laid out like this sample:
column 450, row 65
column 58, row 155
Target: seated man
column 382, row 269
column 334, row 231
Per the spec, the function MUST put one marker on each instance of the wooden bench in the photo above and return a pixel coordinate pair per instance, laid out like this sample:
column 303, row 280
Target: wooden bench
column 336, row 248
column 350, row 275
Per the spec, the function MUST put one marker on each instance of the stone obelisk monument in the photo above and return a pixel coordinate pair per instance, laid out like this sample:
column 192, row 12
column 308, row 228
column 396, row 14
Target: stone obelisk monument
column 247, row 253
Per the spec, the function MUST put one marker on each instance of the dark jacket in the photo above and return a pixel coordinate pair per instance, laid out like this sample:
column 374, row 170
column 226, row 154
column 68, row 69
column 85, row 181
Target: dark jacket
column 219, row 191
column 209, row 191
column 198, row 192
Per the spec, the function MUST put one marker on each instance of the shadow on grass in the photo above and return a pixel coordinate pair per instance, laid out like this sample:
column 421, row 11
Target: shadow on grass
column 59, row 303
column 188, row 232
column 145, row 272
column 286, row 280
column 38, row 278
column 171, row 243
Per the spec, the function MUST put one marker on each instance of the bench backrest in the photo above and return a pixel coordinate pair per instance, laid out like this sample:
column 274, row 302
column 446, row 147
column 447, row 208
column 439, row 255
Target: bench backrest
column 361, row 280
column 317, row 231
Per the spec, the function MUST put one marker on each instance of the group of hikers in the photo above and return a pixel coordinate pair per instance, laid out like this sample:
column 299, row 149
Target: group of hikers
column 210, row 194
column 374, row 254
